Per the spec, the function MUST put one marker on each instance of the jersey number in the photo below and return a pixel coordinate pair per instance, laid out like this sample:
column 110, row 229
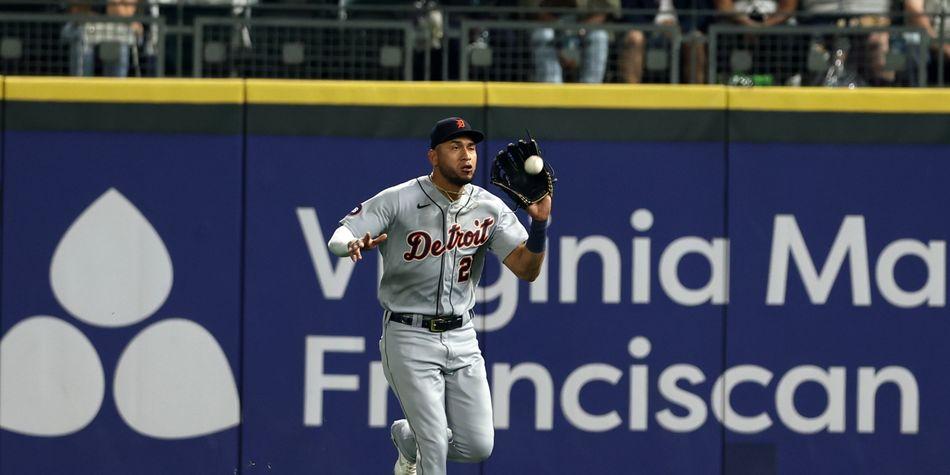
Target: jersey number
column 465, row 268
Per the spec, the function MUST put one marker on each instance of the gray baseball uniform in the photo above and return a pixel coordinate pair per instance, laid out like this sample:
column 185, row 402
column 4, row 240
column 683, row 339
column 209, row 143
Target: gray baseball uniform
column 432, row 261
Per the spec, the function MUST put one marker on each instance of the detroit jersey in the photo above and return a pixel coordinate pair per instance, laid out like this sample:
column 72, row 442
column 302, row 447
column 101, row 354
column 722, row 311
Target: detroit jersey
column 435, row 251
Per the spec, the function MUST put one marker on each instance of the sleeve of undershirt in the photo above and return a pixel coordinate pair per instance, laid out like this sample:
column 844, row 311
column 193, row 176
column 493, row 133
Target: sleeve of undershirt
column 339, row 242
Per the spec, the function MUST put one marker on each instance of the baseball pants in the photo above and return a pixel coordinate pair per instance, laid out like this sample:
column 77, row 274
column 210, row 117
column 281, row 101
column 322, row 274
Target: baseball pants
column 441, row 384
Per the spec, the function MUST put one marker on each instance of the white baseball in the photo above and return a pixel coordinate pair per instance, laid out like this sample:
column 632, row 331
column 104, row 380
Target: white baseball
column 533, row 165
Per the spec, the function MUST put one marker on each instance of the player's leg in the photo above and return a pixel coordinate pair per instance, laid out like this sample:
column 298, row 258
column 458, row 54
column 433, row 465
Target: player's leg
column 467, row 400
column 405, row 443
column 410, row 362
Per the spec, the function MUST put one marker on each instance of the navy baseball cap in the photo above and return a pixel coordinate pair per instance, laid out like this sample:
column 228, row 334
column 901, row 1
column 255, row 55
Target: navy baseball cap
column 449, row 128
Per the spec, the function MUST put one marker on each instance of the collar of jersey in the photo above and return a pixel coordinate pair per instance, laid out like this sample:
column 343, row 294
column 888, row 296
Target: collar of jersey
column 439, row 198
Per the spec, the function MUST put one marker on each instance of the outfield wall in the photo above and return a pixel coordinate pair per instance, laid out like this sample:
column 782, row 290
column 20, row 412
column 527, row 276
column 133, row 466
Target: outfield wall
column 738, row 280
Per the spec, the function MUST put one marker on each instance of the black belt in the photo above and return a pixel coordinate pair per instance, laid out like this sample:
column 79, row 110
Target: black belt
column 433, row 324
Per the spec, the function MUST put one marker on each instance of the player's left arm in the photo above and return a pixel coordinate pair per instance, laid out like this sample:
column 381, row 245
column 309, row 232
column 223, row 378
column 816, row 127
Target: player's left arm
column 525, row 261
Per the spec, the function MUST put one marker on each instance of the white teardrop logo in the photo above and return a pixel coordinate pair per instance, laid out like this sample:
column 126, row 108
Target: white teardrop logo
column 173, row 381
column 51, row 379
column 111, row 268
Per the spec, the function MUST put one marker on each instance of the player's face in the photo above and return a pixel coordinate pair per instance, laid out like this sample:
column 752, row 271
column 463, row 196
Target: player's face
column 455, row 160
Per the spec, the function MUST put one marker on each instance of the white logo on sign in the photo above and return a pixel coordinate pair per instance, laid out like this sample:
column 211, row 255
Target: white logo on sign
column 111, row 269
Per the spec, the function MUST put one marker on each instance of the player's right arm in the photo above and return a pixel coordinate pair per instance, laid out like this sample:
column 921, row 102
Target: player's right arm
column 344, row 244
column 339, row 243
column 371, row 218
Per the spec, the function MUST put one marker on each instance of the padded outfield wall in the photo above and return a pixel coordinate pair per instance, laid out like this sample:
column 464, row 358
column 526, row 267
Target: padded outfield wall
column 738, row 280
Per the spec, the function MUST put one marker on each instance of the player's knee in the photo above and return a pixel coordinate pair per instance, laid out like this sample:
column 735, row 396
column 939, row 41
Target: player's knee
column 481, row 448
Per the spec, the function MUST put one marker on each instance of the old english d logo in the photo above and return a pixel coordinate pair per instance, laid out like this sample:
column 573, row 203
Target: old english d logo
column 459, row 123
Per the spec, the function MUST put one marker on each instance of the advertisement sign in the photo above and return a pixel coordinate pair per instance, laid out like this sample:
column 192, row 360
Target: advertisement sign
column 168, row 304
column 121, row 309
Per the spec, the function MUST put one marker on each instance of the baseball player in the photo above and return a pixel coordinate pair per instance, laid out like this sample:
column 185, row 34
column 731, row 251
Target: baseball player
column 433, row 233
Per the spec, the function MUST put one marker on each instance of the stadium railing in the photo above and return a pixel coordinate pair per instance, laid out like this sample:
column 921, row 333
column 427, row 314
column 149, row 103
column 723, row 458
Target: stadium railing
column 243, row 39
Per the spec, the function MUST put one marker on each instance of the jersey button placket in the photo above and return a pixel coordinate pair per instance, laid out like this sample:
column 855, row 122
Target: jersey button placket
column 449, row 276
column 447, row 286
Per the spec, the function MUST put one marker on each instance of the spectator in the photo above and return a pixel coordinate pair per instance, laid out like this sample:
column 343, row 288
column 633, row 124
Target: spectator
column 925, row 14
column 585, row 49
column 127, row 37
column 757, row 13
column 81, row 57
column 763, row 14
column 868, row 54
column 635, row 41
column 693, row 25
column 85, row 36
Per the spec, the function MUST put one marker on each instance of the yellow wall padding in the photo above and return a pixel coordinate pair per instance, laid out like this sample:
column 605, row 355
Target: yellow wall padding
column 812, row 99
column 473, row 94
column 605, row 96
column 118, row 90
column 366, row 93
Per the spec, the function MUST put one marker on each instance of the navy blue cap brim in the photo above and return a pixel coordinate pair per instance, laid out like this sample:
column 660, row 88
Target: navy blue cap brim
column 476, row 136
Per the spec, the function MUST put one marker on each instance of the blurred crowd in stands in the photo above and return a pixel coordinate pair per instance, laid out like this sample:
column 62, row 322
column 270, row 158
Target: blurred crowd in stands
column 570, row 42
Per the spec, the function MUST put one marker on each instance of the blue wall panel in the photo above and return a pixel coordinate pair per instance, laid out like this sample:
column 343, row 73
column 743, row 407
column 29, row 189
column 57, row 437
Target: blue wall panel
column 657, row 207
column 188, row 187
column 897, row 193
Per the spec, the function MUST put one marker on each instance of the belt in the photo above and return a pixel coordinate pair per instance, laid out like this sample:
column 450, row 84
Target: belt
column 433, row 324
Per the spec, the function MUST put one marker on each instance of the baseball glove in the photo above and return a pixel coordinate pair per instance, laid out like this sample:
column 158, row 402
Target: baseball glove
column 509, row 174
